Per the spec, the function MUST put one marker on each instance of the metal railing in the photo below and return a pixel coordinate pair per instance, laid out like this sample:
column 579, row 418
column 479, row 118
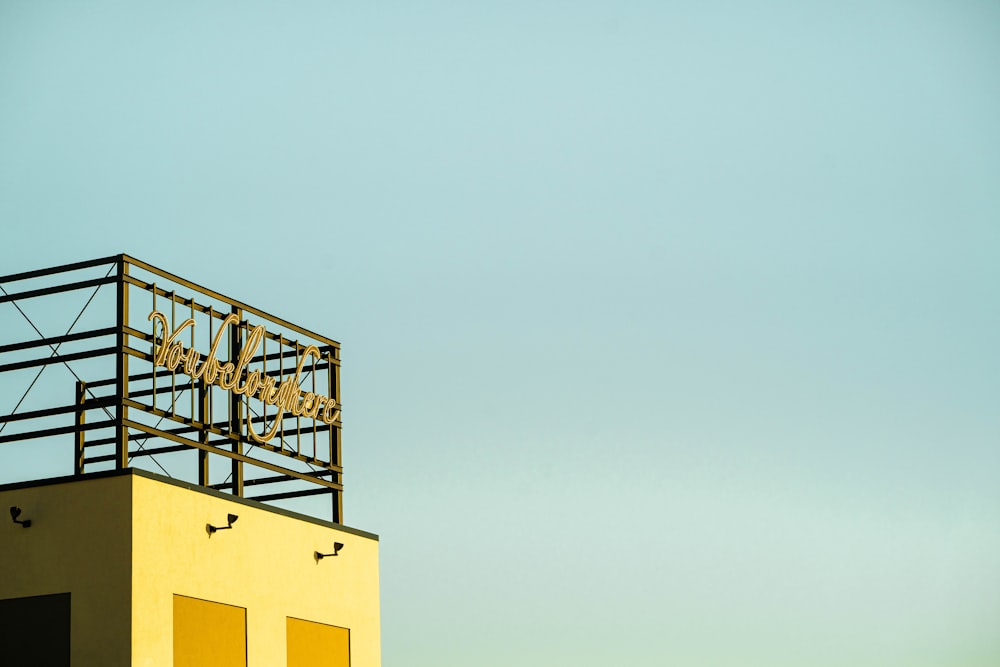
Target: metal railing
column 217, row 378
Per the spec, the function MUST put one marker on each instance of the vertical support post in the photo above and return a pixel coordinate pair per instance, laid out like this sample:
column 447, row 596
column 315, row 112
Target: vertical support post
column 121, row 384
column 203, row 418
column 298, row 396
column 236, row 404
column 331, row 451
column 312, row 373
column 333, row 377
column 81, row 418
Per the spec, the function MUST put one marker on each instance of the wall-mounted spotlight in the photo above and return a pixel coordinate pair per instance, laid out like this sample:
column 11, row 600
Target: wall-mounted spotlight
column 15, row 512
column 337, row 546
column 231, row 518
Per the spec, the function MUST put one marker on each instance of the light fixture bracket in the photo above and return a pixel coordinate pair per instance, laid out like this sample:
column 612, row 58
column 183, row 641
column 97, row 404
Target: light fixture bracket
column 337, row 546
column 230, row 520
column 15, row 513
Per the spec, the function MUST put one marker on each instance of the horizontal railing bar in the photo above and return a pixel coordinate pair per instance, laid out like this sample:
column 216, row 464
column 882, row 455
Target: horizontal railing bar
column 75, row 266
column 57, row 359
column 139, row 354
column 139, row 377
column 285, row 416
column 271, row 356
column 138, row 333
column 290, row 372
column 143, row 436
column 112, row 440
column 290, row 354
column 141, row 452
column 56, row 289
column 231, row 302
column 329, row 351
column 173, row 296
column 158, row 450
column 297, row 347
column 29, row 435
column 290, row 494
column 228, row 454
column 56, row 340
column 239, row 437
column 93, row 404
column 162, row 390
column 272, row 480
column 217, row 427
column 256, row 482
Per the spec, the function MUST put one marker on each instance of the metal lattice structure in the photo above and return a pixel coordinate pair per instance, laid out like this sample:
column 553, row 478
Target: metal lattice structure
column 175, row 374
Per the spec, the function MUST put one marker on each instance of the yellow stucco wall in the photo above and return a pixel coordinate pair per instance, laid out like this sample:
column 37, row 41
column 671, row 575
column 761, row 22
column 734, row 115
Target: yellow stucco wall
column 265, row 564
column 79, row 543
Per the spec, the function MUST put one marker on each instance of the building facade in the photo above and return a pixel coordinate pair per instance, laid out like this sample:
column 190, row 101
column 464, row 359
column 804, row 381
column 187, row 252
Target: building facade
column 114, row 564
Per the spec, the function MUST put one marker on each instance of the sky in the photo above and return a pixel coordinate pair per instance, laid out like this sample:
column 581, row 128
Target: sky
column 669, row 328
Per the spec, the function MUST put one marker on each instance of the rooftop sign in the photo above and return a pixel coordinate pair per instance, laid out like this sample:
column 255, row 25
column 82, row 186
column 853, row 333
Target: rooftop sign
column 170, row 353
column 177, row 373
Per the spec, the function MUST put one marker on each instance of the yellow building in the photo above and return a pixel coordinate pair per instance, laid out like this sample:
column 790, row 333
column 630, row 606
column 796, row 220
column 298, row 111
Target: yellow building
column 121, row 569
column 117, row 566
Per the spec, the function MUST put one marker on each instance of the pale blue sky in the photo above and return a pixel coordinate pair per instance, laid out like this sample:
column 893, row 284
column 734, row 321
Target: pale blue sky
column 669, row 329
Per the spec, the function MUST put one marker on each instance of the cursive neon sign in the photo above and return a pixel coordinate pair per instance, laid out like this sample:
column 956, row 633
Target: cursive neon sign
column 234, row 377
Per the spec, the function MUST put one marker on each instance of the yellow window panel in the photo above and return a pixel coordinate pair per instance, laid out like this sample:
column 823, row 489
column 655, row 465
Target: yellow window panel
column 317, row 644
column 209, row 634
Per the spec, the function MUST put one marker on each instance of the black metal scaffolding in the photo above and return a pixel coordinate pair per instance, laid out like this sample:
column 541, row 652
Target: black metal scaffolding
column 120, row 408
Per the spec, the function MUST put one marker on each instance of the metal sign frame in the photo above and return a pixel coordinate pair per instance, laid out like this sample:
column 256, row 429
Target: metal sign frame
column 145, row 409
